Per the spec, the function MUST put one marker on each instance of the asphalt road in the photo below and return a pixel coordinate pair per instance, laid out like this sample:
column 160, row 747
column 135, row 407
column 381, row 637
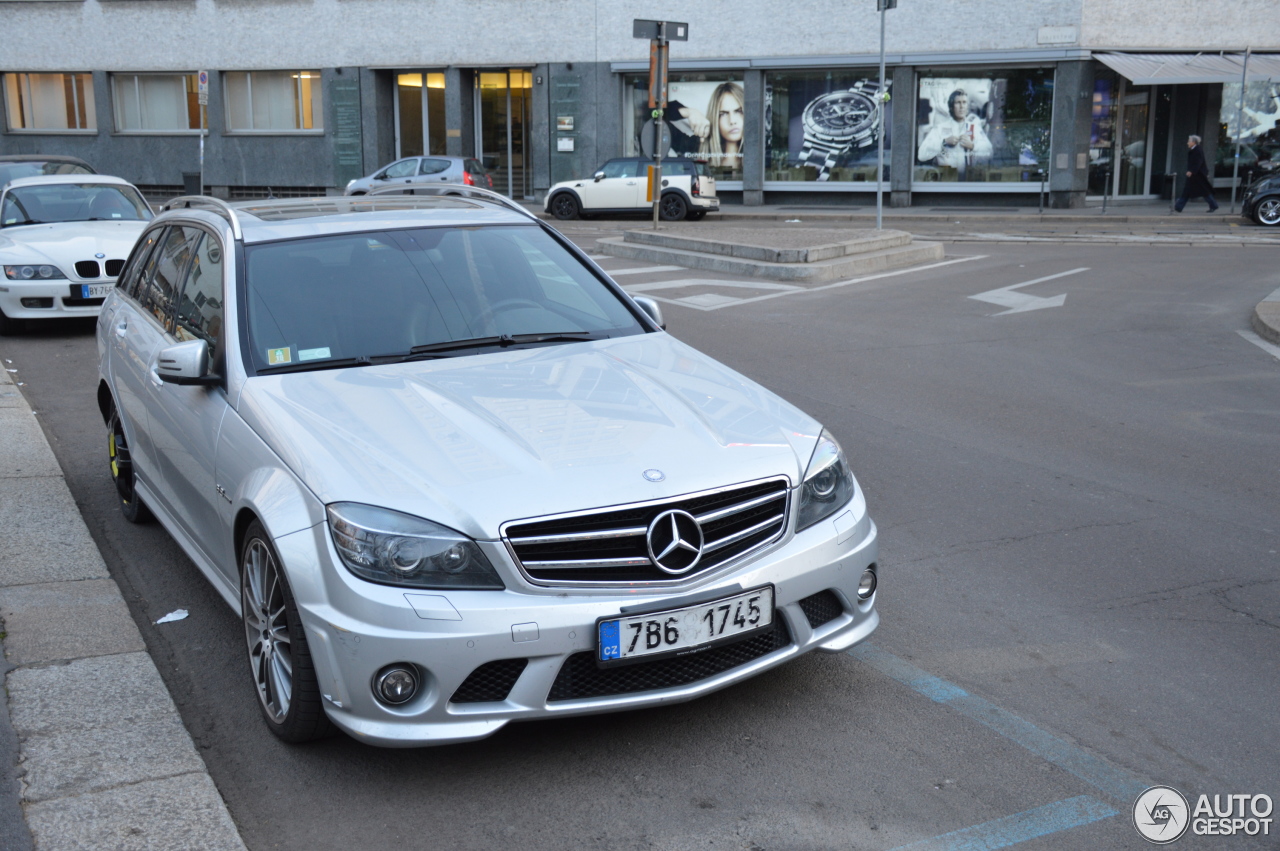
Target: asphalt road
column 1079, row 510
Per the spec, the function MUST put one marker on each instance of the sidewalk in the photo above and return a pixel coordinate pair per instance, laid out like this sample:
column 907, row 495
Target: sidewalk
column 105, row 762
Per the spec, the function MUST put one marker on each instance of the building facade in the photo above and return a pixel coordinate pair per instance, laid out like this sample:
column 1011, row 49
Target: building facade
column 987, row 100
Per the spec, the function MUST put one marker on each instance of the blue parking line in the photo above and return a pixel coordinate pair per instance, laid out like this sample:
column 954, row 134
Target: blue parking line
column 1010, row 830
column 1116, row 783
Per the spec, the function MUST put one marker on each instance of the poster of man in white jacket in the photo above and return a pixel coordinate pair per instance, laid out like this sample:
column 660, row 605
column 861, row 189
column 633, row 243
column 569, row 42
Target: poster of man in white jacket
column 957, row 138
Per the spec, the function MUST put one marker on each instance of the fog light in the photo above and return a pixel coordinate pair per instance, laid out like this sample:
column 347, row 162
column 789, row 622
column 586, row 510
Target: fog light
column 867, row 584
column 396, row 684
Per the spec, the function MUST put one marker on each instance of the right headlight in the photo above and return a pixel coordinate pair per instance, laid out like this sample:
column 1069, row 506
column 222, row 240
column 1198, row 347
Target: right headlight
column 399, row 549
column 828, row 483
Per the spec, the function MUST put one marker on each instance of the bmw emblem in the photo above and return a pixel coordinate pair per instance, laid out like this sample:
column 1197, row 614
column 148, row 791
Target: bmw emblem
column 654, row 475
column 99, row 255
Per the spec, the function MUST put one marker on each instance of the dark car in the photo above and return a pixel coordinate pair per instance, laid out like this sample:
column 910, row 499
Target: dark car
column 37, row 165
column 1262, row 201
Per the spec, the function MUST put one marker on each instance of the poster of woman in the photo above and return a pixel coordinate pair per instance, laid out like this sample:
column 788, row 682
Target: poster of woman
column 704, row 119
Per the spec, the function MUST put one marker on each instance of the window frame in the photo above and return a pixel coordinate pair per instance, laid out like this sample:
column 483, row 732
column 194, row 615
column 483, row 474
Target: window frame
column 89, row 105
column 298, row 130
column 120, row 130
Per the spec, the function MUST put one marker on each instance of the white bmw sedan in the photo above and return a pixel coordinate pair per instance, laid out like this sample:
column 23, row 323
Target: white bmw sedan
column 63, row 240
column 450, row 475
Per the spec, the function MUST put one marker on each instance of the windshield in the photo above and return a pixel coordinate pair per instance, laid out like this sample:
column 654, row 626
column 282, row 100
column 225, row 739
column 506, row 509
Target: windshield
column 323, row 301
column 72, row 202
column 37, row 168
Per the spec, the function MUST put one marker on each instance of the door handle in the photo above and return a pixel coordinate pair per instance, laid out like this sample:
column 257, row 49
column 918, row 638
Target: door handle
column 122, row 326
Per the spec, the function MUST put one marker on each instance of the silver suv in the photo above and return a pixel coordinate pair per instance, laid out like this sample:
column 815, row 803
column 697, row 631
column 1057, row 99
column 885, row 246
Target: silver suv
column 451, row 475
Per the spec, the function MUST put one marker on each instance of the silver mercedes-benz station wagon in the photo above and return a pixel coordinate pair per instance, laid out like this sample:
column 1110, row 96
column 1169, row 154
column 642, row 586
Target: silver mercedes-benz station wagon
column 451, row 475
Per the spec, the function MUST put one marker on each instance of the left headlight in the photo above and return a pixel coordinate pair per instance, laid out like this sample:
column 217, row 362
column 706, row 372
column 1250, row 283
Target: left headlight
column 828, row 483
column 33, row 272
column 398, row 549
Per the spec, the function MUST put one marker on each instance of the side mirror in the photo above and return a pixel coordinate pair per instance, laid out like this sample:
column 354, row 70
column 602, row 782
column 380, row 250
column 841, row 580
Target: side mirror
column 185, row 363
column 650, row 307
column 599, row 176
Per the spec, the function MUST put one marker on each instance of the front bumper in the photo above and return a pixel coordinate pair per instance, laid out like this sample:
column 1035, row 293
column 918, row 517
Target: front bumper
column 357, row 628
column 55, row 300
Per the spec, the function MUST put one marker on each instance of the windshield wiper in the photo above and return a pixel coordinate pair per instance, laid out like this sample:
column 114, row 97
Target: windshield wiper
column 24, row 222
column 339, row 363
column 505, row 340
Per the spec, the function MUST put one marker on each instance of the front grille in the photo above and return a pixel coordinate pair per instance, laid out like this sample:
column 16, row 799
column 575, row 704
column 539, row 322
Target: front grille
column 821, row 608
column 113, row 268
column 609, row 546
column 88, row 268
column 491, row 681
column 580, row 678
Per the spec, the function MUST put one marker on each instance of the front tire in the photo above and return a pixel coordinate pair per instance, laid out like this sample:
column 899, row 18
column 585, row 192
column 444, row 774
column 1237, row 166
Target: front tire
column 1267, row 213
column 9, row 326
column 565, row 207
column 672, row 208
column 120, row 462
column 284, row 676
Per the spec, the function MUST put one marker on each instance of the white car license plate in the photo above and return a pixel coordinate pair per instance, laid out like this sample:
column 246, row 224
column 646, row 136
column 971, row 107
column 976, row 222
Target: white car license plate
column 677, row 631
column 96, row 290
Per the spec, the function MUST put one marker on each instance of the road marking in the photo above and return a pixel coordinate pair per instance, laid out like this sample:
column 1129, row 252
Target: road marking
column 638, row 270
column 791, row 290
column 1114, row 782
column 1020, row 827
column 1268, row 347
column 1021, row 302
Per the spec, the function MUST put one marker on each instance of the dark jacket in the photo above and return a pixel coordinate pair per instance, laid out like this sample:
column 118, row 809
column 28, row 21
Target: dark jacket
column 1198, row 183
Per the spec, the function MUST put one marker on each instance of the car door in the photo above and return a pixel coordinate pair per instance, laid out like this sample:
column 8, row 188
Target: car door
column 132, row 338
column 435, row 170
column 185, row 420
column 401, row 171
column 144, row 331
column 619, row 189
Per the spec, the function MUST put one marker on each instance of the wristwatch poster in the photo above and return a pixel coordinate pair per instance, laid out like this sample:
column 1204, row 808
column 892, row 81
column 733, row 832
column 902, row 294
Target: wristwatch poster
column 837, row 123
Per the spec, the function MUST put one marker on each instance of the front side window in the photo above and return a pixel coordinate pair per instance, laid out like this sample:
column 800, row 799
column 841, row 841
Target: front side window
column 984, row 128
column 156, row 102
column 705, row 118
column 621, row 168
column 137, row 264
column 160, row 287
column 72, row 202
column 278, row 101
column 200, row 305
column 427, row 292
column 50, row 101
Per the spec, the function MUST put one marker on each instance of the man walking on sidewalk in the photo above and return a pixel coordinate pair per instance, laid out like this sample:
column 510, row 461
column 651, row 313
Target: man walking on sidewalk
column 1198, row 185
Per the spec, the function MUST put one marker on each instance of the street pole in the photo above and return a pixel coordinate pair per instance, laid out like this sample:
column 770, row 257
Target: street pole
column 1235, row 168
column 202, row 108
column 882, row 7
column 659, row 110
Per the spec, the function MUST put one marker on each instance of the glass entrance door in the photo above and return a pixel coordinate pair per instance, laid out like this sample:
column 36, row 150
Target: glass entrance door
column 503, row 100
column 420, row 114
column 1135, row 113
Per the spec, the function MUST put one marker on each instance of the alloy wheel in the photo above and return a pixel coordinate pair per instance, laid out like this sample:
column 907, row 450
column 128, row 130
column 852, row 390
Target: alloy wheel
column 1269, row 212
column 266, row 629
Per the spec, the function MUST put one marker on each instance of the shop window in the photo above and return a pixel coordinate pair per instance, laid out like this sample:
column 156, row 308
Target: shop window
column 705, row 119
column 824, row 126
column 273, row 101
column 50, row 101
column 992, row 127
column 1256, row 126
column 155, row 102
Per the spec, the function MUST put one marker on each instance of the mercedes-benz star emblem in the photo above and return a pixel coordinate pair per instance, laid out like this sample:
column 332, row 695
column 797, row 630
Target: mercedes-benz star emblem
column 654, row 475
column 675, row 541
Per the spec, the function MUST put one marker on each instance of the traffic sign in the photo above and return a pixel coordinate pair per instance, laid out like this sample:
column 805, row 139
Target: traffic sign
column 202, row 87
column 676, row 30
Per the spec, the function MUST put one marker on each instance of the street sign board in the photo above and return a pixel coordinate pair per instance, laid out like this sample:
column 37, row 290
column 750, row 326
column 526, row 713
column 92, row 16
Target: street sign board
column 202, row 86
column 676, row 30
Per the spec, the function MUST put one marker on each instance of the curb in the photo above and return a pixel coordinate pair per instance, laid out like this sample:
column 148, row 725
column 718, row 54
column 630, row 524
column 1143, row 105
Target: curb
column 1266, row 318
column 105, row 758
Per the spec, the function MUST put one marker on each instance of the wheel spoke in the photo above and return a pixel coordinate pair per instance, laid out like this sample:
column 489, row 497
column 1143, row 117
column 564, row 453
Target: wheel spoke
column 267, row 629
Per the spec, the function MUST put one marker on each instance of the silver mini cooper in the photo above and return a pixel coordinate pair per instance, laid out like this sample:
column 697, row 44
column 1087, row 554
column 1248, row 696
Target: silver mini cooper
column 451, row 475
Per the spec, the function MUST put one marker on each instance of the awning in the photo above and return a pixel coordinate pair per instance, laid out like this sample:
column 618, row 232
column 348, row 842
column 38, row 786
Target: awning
column 1153, row 69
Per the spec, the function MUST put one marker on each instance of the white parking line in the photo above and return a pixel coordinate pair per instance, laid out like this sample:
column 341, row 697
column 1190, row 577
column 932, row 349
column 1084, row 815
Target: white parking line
column 1270, row 348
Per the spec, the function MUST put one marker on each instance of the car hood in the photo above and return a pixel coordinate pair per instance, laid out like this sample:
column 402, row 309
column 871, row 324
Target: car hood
column 472, row 442
column 63, row 243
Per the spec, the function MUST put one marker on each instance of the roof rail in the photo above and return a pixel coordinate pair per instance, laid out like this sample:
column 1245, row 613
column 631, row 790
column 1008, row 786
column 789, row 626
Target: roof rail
column 453, row 189
column 206, row 202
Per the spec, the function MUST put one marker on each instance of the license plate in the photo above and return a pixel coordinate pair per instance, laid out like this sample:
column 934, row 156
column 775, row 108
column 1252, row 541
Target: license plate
column 96, row 290
column 674, row 632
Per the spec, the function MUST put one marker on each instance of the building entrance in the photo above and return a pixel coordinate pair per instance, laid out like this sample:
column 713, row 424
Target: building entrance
column 503, row 101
